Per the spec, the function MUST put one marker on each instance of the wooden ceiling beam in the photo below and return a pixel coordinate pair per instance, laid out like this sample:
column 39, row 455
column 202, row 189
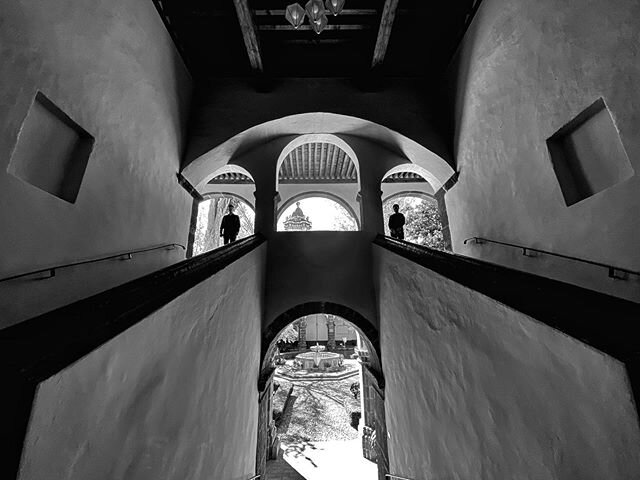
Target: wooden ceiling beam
column 249, row 34
column 384, row 32
column 289, row 28
column 276, row 12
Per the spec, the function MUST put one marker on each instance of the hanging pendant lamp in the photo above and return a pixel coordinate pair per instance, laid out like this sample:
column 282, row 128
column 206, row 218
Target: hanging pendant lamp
column 319, row 25
column 315, row 10
column 295, row 15
column 335, row 6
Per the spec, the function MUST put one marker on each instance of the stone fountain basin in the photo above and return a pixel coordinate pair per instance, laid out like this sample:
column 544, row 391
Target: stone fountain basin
column 325, row 360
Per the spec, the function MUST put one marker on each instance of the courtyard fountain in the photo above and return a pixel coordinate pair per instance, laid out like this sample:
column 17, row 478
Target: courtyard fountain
column 318, row 358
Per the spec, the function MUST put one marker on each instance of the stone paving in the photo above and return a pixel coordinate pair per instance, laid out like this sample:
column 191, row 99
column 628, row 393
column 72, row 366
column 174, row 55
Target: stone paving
column 333, row 460
column 318, row 434
column 318, row 411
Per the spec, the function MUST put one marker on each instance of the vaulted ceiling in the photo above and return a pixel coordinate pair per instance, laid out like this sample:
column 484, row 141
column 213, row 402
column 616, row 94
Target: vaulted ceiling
column 316, row 162
column 242, row 37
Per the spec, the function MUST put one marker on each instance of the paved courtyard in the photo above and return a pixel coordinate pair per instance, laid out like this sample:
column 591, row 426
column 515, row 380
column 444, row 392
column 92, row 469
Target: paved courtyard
column 333, row 460
column 319, row 433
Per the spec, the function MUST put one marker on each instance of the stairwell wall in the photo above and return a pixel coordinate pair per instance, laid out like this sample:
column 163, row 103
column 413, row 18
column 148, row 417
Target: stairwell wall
column 173, row 397
column 475, row 390
column 524, row 70
column 113, row 69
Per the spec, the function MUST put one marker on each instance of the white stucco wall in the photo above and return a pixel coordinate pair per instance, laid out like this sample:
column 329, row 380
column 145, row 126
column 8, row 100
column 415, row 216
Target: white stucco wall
column 112, row 67
column 307, row 267
column 477, row 391
column 526, row 69
column 174, row 397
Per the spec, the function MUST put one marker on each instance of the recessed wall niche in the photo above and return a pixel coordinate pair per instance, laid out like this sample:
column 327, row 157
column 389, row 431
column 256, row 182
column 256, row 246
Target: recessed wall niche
column 52, row 150
column 588, row 155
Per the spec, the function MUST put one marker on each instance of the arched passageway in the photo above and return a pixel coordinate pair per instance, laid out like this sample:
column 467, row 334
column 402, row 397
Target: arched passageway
column 363, row 326
column 283, row 369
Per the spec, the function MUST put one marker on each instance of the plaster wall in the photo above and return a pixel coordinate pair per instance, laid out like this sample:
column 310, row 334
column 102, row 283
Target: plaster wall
column 173, row 397
column 499, row 395
column 307, row 267
column 525, row 69
column 112, row 67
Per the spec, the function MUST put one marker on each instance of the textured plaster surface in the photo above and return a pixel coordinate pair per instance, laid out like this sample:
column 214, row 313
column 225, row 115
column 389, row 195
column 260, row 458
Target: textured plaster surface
column 319, row 267
column 526, row 69
column 174, row 397
column 112, row 67
column 475, row 390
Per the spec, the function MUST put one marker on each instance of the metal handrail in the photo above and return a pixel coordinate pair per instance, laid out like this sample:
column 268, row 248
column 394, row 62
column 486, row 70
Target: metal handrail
column 255, row 477
column 388, row 475
column 614, row 272
column 124, row 256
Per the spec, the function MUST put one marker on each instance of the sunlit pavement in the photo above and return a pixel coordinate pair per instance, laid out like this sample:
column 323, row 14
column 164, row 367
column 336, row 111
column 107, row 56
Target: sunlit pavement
column 334, row 460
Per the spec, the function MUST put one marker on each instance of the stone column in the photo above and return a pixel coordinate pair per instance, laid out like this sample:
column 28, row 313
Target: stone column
column 302, row 334
column 371, row 210
column 265, row 220
column 331, row 333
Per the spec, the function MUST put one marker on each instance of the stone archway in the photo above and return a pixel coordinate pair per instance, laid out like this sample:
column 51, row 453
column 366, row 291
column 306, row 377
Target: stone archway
column 374, row 439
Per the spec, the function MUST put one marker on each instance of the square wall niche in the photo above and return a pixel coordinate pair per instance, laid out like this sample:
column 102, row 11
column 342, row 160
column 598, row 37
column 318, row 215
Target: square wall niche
column 52, row 150
column 587, row 154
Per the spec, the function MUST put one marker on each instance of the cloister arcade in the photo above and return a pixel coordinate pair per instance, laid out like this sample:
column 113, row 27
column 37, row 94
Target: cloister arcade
column 273, row 171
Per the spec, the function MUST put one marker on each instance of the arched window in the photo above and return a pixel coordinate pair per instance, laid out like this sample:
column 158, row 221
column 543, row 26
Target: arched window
column 210, row 213
column 407, row 187
column 232, row 185
column 321, row 172
column 314, row 213
column 423, row 225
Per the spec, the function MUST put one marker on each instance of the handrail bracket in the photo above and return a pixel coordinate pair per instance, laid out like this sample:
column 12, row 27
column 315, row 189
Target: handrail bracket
column 617, row 274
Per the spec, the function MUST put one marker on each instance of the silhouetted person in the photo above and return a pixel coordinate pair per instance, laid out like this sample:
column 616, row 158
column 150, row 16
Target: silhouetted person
column 396, row 223
column 230, row 226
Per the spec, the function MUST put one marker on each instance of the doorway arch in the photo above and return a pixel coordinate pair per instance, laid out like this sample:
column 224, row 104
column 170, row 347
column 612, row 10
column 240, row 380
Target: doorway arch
column 364, row 327
column 374, row 432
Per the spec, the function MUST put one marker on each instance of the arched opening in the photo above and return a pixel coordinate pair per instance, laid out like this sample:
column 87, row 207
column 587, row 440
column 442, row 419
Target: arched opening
column 228, row 192
column 210, row 157
column 322, row 170
column 317, row 211
column 322, row 400
column 418, row 217
column 422, row 219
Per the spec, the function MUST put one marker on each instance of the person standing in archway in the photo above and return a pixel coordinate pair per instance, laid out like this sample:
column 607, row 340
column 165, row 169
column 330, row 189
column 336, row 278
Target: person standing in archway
column 396, row 223
column 230, row 226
